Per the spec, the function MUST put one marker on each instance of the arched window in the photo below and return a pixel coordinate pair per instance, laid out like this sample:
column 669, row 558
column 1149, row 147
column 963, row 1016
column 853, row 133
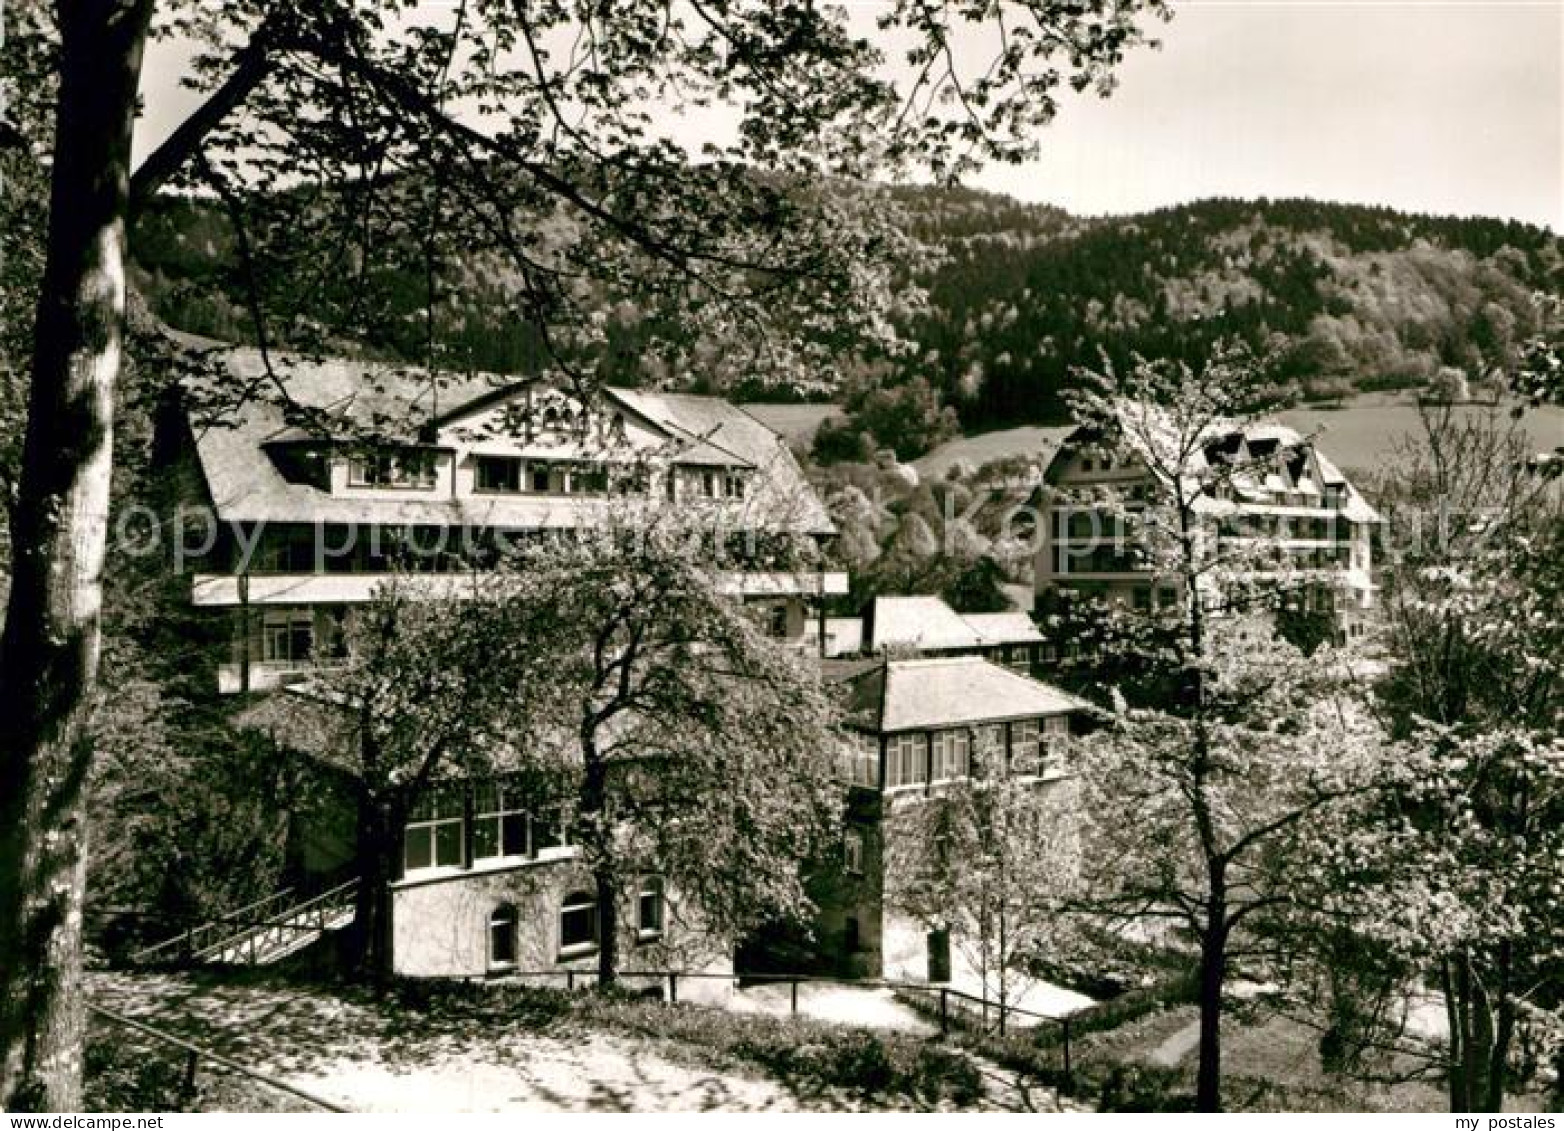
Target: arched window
column 578, row 921
column 502, row 937
column 649, row 907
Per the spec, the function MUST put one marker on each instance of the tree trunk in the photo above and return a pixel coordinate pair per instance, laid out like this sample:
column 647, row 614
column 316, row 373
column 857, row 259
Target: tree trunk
column 1504, row 1033
column 49, row 650
column 379, row 841
column 1455, row 1080
column 607, row 927
column 1213, row 975
column 597, row 839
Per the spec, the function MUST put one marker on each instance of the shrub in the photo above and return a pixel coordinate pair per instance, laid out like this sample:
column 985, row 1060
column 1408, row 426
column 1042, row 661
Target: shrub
column 811, row 1056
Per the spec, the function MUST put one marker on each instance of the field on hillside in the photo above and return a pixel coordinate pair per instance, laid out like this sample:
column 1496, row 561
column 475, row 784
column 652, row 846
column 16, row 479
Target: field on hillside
column 795, row 422
column 1029, row 440
column 1363, row 436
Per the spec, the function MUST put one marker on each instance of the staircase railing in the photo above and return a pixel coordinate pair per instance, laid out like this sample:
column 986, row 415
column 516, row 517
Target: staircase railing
column 254, row 931
column 256, row 942
column 200, row 937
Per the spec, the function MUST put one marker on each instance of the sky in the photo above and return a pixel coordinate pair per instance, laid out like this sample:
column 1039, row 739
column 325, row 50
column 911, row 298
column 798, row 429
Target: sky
column 1446, row 106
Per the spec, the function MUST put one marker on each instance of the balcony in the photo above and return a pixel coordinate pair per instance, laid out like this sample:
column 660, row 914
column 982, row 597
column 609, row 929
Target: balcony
column 209, row 590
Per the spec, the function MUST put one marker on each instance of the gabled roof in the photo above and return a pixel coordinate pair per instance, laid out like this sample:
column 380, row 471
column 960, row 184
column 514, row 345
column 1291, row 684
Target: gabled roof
column 902, row 695
column 1154, row 440
column 236, row 416
column 926, row 623
column 1013, row 627
column 930, row 625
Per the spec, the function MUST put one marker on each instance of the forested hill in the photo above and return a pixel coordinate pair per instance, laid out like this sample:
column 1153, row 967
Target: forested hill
column 1350, row 298
column 1353, row 298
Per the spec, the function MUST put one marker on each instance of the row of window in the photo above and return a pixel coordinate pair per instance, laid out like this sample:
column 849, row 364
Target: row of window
column 1313, row 527
column 509, row 475
column 578, row 923
column 436, row 833
column 920, row 757
column 404, row 468
column 413, row 469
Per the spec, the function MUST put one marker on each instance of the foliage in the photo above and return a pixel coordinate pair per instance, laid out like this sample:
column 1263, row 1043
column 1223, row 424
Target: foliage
column 538, row 115
column 907, row 419
column 960, row 537
column 130, row 1073
column 1453, row 878
column 811, row 1056
column 416, row 695
column 989, row 860
column 689, row 743
column 1194, row 805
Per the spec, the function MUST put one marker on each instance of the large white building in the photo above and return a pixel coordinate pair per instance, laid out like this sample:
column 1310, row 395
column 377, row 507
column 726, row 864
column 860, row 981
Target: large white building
column 359, row 471
column 321, row 479
column 1274, row 514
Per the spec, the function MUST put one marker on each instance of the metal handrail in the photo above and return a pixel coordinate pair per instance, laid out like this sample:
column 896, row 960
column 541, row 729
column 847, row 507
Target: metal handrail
column 245, row 923
column 322, row 906
column 186, row 937
column 195, row 1052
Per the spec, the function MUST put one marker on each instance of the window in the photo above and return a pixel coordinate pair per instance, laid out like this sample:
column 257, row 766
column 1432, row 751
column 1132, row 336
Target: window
column 709, row 484
column 777, row 624
column 853, row 851
column 861, row 761
column 578, row 922
column 1056, row 736
column 904, row 760
column 733, row 484
column 404, row 467
column 500, row 826
column 539, row 478
column 649, row 907
column 989, row 753
column 433, row 837
column 502, row 937
column 547, row 830
column 1024, row 744
column 1142, row 595
column 287, row 635
column 586, row 480
column 499, row 473
column 952, row 755
column 1167, row 596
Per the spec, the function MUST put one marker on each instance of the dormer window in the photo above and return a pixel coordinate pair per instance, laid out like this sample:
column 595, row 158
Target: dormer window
column 403, row 468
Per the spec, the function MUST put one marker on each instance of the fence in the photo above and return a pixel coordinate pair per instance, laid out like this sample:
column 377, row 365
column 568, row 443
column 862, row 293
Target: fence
column 194, row 1054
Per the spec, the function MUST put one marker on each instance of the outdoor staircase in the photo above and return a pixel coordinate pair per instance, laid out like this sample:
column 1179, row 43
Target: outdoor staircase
column 259, row 933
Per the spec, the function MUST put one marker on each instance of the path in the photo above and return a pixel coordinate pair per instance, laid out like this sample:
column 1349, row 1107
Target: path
column 1175, row 1048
